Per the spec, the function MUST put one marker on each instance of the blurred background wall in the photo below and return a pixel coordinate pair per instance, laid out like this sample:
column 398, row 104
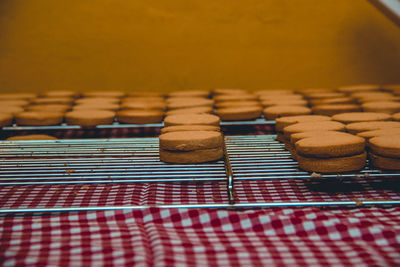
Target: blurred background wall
column 178, row 44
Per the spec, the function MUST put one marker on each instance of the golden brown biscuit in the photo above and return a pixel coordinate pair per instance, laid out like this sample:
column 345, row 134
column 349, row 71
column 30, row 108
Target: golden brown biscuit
column 330, row 109
column 60, row 108
column 384, row 162
column 369, row 134
column 284, row 102
column 268, row 92
column 229, row 104
column 89, row 118
column 12, row 96
column 286, row 97
column 117, row 94
column 271, row 113
column 235, row 97
column 333, row 101
column 97, row 100
column 14, row 103
column 382, row 106
column 332, row 165
column 61, row 93
column 161, row 105
column 377, row 94
column 52, row 101
column 31, row 137
column 140, row 116
column 192, row 119
column 6, row 119
column 195, row 110
column 97, row 106
column 351, row 117
column 195, row 156
column 387, row 145
column 298, row 136
column 179, row 128
column 143, row 99
column 337, row 145
column 229, row 91
column 282, row 122
column 190, row 140
column 325, row 95
column 396, row 116
column 357, row 127
column 38, row 118
column 239, row 113
column 13, row 110
column 190, row 93
column 189, row 102
column 358, row 88
column 312, row 126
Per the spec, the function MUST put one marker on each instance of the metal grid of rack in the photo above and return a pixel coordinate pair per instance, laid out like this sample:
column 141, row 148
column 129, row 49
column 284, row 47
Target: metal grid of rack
column 257, row 172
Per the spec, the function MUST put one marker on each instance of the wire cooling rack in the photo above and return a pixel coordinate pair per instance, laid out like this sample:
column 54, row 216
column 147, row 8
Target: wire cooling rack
column 109, row 174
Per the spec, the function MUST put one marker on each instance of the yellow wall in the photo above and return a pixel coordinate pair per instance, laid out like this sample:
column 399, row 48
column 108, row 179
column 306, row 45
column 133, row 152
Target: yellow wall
column 180, row 44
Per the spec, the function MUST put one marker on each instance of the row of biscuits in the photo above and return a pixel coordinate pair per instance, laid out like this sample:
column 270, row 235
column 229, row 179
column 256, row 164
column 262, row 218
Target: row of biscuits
column 191, row 138
column 337, row 144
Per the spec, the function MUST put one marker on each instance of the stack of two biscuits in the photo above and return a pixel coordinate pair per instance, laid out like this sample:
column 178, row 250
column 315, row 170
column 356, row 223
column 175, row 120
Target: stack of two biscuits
column 323, row 146
column 192, row 138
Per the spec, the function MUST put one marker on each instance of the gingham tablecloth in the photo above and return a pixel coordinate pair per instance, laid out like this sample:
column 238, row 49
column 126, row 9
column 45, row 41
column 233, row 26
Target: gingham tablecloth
column 188, row 237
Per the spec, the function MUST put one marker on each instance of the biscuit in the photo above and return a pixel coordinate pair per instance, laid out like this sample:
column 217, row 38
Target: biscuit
column 235, row 97
column 14, row 103
column 334, row 101
column 229, row 91
column 12, row 96
column 331, row 109
column 382, row 106
column 381, row 132
column 386, row 146
column 196, row 156
column 97, row 106
column 360, row 117
column 282, row 122
column 229, row 104
column 195, row 110
column 298, row 136
column 361, row 95
column 271, row 113
column 267, row 92
column 189, row 102
column 286, row 97
column 52, row 100
column 89, row 118
column 312, row 126
column 284, row 102
column 337, row 145
column 190, row 140
column 325, row 95
column 384, row 162
column 140, row 116
column 239, row 113
column 6, row 119
column 13, row 110
column 38, row 118
column 161, row 105
column 357, row 127
column 332, row 165
column 31, row 137
column 60, row 108
column 60, row 93
column 179, row 128
column 143, row 99
column 358, row 88
column 391, row 87
column 190, row 93
column 97, row 100
column 117, row 94
column 192, row 119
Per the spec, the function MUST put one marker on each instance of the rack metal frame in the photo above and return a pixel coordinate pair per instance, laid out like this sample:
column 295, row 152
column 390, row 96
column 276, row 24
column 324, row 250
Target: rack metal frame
column 129, row 160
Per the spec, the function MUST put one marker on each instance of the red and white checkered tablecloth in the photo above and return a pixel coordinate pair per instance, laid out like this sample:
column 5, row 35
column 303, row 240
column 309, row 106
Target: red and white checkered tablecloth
column 188, row 237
